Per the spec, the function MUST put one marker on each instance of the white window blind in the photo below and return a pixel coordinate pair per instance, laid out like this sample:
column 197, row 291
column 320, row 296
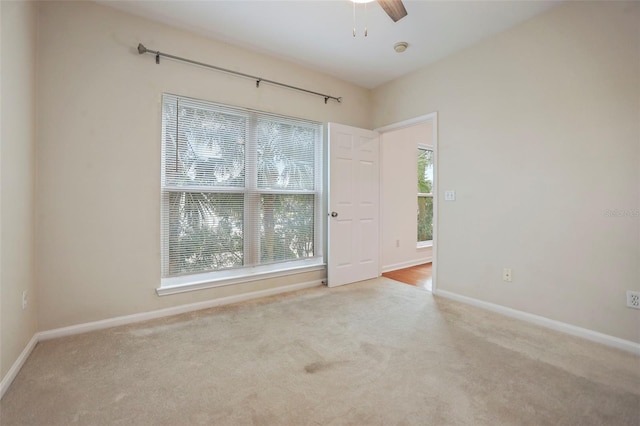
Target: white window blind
column 240, row 188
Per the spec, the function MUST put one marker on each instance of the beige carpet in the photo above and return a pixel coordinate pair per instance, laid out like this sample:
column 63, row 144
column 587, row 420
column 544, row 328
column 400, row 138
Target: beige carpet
column 377, row 352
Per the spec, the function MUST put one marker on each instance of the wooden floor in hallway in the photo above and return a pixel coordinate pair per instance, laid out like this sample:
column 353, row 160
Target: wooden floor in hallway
column 419, row 275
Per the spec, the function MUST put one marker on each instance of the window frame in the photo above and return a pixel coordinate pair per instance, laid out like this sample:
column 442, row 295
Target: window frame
column 424, row 147
column 251, row 223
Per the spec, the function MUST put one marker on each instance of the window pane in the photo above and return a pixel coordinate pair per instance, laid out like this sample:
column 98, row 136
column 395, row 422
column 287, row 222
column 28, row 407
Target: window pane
column 286, row 155
column 205, row 231
column 219, row 164
column 210, row 146
column 286, row 227
column 425, row 171
column 425, row 219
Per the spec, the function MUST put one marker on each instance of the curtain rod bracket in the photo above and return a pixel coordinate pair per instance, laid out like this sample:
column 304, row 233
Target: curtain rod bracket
column 142, row 50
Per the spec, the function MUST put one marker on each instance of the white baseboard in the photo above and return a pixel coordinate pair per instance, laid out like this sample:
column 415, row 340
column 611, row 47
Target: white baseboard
column 402, row 265
column 15, row 368
column 144, row 316
column 594, row 336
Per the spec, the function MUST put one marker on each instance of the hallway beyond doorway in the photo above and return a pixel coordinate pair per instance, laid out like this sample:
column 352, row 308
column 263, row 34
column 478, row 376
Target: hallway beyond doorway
column 418, row 276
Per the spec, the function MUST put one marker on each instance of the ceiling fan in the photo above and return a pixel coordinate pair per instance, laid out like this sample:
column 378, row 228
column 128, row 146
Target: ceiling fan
column 394, row 8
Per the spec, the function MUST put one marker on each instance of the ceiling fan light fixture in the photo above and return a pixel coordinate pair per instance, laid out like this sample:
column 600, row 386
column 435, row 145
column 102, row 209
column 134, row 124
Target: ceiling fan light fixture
column 400, row 46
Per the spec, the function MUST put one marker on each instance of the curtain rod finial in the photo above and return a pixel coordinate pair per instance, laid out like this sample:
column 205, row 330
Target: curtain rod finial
column 141, row 48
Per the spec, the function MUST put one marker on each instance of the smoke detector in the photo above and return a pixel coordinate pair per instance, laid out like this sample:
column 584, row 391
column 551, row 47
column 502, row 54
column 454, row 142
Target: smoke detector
column 401, row 46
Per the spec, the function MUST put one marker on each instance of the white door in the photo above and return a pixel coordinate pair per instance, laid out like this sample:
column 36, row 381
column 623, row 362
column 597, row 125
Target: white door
column 354, row 198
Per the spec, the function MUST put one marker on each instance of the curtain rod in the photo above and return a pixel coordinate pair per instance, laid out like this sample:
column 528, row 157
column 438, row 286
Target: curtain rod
column 142, row 50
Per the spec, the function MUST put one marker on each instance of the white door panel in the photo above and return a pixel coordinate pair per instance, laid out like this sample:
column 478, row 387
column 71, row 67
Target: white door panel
column 354, row 181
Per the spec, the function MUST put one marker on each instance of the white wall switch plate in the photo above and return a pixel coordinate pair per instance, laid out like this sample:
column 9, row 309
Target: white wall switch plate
column 449, row 195
column 506, row 275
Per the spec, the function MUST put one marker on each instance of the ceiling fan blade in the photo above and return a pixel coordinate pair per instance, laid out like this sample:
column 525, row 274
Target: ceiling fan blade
column 394, row 8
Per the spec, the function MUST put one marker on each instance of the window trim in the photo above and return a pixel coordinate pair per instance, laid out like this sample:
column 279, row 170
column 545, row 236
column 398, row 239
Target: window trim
column 211, row 279
column 424, row 244
column 206, row 280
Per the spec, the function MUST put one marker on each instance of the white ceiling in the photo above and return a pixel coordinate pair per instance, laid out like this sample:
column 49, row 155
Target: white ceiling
column 318, row 33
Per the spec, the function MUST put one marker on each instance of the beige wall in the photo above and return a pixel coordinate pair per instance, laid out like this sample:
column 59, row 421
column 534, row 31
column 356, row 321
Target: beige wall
column 98, row 221
column 399, row 186
column 18, row 51
column 539, row 134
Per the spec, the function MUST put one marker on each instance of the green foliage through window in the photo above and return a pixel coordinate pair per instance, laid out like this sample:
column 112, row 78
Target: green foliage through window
column 240, row 188
column 425, row 195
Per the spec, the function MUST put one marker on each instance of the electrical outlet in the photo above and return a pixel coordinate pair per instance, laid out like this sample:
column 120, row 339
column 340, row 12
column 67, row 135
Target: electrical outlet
column 633, row 299
column 506, row 275
column 24, row 299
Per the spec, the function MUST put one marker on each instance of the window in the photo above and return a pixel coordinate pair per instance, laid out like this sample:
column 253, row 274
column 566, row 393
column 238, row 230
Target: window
column 425, row 195
column 241, row 191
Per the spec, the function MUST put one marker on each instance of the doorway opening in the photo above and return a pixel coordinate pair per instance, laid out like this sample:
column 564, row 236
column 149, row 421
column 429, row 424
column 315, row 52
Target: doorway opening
column 408, row 195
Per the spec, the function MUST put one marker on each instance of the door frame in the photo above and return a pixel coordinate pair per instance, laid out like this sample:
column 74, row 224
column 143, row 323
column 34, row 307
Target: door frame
column 433, row 117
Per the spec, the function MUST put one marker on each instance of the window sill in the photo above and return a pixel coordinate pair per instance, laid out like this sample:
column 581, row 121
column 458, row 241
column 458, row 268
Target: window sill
column 183, row 284
column 424, row 244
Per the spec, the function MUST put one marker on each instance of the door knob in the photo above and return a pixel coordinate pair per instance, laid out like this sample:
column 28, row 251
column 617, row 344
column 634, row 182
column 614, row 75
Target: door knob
column 334, row 214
